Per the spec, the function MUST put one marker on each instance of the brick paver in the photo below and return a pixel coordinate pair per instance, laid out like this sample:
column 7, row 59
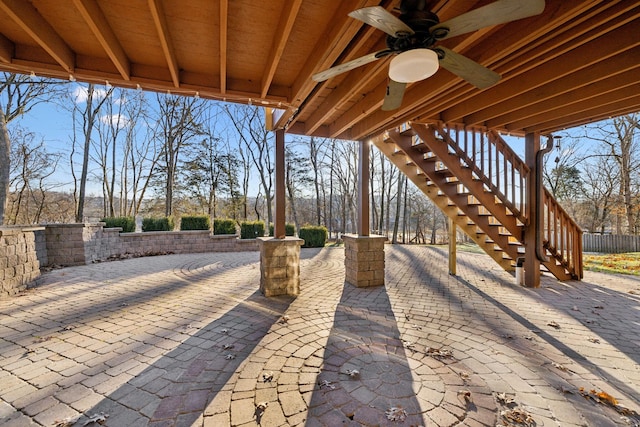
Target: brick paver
column 188, row 340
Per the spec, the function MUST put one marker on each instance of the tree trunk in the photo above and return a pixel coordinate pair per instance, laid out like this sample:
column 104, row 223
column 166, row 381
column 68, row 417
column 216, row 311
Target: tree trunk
column 5, row 155
column 396, row 222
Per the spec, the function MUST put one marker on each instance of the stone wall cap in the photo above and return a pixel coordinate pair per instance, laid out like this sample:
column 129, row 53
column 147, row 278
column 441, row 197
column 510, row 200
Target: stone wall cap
column 19, row 228
column 287, row 239
column 357, row 236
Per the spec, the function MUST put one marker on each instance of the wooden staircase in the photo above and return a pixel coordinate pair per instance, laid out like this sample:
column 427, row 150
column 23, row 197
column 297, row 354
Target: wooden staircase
column 475, row 178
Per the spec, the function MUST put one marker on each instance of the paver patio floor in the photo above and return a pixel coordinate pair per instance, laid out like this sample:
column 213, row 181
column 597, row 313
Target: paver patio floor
column 188, row 340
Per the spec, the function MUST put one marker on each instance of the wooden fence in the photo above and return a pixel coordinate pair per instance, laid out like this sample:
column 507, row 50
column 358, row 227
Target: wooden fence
column 610, row 243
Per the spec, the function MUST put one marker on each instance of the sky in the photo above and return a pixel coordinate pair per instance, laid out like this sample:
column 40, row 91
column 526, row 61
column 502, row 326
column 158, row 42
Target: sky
column 53, row 125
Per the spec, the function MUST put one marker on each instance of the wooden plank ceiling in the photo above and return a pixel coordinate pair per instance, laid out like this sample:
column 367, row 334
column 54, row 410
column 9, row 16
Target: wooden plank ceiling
column 575, row 63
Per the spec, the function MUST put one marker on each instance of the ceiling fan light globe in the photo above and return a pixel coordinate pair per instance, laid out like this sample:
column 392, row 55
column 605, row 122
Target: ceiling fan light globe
column 413, row 65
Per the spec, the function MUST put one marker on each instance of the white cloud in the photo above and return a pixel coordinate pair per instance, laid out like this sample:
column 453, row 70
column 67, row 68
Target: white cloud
column 117, row 120
column 81, row 93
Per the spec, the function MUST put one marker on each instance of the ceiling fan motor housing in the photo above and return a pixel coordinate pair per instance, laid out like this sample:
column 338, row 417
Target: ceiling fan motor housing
column 419, row 21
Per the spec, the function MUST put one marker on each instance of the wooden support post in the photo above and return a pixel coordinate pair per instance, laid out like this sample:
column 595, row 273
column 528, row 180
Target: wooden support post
column 280, row 200
column 531, row 262
column 452, row 246
column 363, row 189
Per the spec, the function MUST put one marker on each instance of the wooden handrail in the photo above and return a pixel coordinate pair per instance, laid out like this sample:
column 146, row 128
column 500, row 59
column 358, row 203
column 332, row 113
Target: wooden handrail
column 493, row 162
column 562, row 236
column 503, row 172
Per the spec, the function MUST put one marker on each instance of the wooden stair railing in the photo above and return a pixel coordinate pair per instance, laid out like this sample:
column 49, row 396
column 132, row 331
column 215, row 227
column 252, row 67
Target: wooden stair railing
column 407, row 161
column 479, row 174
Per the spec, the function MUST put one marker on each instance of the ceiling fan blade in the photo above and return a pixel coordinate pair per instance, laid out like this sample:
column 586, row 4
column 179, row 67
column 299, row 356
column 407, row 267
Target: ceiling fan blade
column 347, row 66
column 474, row 73
column 393, row 98
column 378, row 17
column 499, row 12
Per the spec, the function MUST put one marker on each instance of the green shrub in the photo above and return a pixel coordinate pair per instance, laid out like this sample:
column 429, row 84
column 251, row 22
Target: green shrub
column 251, row 229
column 195, row 222
column 224, row 226
column 313, row 236
column 289, row 229
column 127, row 223
column 157, row 224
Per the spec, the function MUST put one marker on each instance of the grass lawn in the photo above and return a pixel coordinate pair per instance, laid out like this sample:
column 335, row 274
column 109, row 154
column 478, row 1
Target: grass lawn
column 628, row 263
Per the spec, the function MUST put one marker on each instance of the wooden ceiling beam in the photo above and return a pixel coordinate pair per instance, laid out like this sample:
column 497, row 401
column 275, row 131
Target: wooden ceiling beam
column 500, row 45
column 555, row 61
column 224, row 12
column 355, row 82
column 97, row 22
column 538, row 47
column 621, row 68
column 596, row 113
column 28, row 18
column 6, row 49
column 604, row 92
column 324, row 54
column 287, row 19
column 160, row 22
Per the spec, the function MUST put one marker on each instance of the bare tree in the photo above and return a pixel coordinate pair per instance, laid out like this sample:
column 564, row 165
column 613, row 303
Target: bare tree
column 179, row 122
column 93, row 100
column 620, row 138
column 31, row 166
column 249, row 124
column 18, row 95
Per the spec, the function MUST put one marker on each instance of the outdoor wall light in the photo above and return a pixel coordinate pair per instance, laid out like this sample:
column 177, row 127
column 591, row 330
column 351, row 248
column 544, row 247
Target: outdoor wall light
column 413, row 65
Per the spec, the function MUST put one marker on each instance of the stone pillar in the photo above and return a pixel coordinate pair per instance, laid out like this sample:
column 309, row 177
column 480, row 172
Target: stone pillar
column 279, row 266
column 364, row 260
column 19, row 264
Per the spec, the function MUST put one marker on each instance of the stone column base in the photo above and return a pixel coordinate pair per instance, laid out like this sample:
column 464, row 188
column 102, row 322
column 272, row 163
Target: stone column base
column 279, row 266
column 364, row 260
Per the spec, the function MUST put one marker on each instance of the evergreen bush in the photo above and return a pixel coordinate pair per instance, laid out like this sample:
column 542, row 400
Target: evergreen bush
column 127, row 223
column 195, row 222
column 313, row 236
column 157, row 224
column 289, row 229
column 251, row 229
column 224, row 226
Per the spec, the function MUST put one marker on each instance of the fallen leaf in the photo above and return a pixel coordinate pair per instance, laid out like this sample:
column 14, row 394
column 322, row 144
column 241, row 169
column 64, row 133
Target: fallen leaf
column 505, row 400
column 260, row 408
column 439, row 353
column 465, row 395
column 353, row 373
column 99, row 418
column 326, row 384
column 66, row 422
column 519, row 416
column 284, row 319
column 561, row 367
column 554, row 324
column 607, row 398
column 396, row 413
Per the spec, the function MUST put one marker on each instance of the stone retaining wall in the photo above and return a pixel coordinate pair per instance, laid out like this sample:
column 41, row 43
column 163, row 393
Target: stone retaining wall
column 19, row 263
column 24, row 250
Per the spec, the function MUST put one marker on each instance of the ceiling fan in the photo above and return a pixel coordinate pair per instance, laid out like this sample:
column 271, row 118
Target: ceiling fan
column 413, row 35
